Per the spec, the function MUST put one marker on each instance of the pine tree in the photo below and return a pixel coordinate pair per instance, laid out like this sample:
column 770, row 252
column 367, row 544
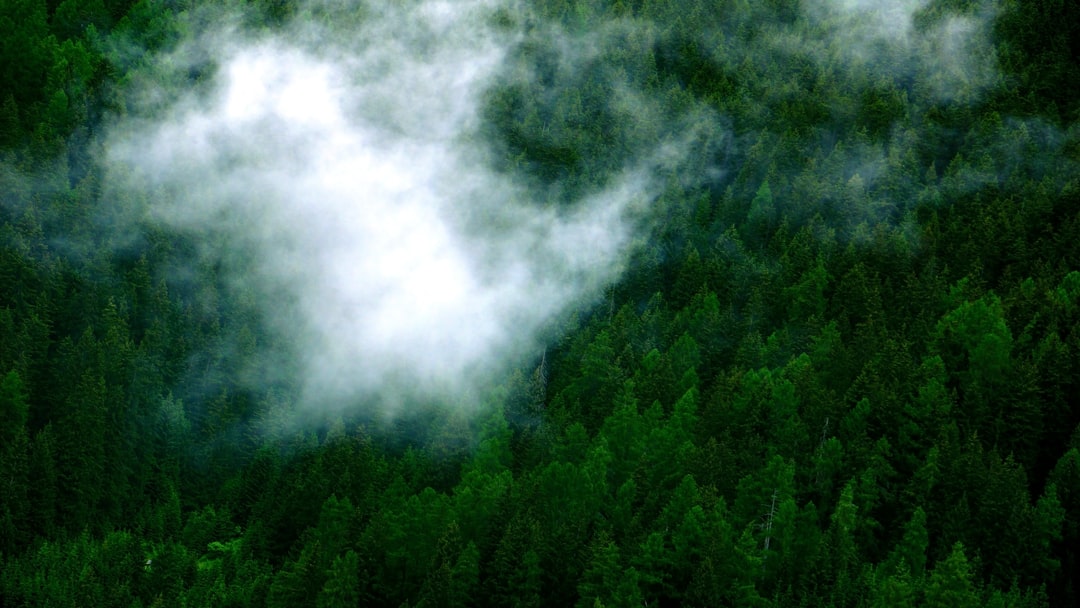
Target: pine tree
column 342, row 587
column 950, row 584
column 44, row 491
column 14, row 457
column 605, row 581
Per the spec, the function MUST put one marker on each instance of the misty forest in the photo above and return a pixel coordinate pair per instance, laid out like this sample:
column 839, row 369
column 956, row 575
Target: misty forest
column 585, row 303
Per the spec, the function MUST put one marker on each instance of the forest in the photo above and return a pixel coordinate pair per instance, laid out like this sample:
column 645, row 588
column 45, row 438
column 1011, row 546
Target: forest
column 834, row 360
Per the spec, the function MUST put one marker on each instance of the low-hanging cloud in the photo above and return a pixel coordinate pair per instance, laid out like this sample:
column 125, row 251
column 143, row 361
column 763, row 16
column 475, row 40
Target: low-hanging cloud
column 949, row 51
column 342, row 176
column 357, row 172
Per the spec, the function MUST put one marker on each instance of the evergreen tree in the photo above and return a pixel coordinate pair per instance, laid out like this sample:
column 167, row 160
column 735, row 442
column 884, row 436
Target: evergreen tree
column 951, row 582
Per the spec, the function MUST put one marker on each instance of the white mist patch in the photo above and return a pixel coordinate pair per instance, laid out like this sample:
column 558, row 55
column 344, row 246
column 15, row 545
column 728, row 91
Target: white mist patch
column 952, row 54
column 346, row 176
column 881, row 18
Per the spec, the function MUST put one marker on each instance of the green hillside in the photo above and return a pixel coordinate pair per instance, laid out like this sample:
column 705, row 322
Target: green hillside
column 837, row 363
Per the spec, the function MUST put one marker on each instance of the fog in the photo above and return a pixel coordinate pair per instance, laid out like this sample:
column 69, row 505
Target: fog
column 339, row 177
column 343, row 173
column 950, row 53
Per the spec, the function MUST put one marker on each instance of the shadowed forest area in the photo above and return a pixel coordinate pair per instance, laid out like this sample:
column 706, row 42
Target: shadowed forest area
column 841, row 367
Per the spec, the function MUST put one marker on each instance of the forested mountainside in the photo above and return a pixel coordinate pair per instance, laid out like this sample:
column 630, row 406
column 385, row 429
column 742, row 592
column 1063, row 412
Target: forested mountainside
column 838, row 362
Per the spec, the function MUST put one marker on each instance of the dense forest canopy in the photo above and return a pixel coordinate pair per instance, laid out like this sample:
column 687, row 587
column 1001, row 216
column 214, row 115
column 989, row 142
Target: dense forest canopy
column 539, row 303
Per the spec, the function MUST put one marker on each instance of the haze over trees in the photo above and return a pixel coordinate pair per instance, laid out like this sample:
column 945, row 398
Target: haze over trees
column 818, row 340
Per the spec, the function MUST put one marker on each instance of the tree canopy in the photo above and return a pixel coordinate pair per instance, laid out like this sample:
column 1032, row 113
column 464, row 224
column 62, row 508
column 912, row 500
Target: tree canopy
column 843, row 369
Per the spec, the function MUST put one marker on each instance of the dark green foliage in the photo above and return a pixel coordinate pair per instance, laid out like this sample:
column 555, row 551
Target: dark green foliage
column 1040, row 42
column 843, row 369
